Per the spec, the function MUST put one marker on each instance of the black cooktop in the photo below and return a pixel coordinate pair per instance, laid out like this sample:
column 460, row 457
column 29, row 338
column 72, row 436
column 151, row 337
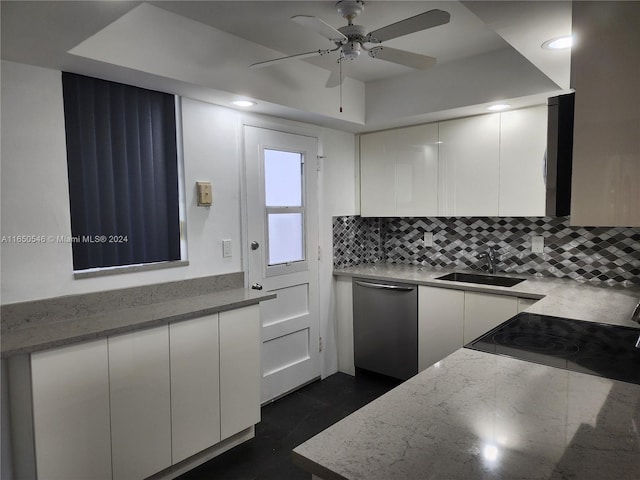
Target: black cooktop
column 588, row 347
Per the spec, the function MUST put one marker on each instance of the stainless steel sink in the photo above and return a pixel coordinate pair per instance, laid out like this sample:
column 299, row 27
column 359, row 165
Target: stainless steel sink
column 495, row 280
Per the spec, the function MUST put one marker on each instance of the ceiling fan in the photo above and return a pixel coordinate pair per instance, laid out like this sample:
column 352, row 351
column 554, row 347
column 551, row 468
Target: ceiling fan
column 351, row 40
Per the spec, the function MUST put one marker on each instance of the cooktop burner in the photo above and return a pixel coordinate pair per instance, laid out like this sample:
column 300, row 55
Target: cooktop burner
column 588, row 347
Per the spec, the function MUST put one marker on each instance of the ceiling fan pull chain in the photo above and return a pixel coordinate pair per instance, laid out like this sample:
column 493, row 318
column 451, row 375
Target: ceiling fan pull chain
column 340, row 66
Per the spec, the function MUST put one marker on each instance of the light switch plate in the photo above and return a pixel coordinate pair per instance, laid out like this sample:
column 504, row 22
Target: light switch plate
column 427, row 239
column 537, row 244
column 226, row 248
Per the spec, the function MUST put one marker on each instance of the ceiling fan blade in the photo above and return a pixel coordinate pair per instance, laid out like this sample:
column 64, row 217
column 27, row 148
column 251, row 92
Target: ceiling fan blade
column 334, row 79
column 402, row 57
column 299, row 56
column 425, row 20
column 321, row 27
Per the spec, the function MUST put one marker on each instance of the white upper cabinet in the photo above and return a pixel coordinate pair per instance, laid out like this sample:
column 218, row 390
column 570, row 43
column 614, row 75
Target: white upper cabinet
column 416, row 179
column 469, row 164
column 399, row 172
column 377, row 174
column 523, row 140
column 605, row 73
column 484, row 166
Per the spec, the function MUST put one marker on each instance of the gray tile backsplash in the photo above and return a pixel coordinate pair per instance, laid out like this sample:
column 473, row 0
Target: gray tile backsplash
column 610, row 255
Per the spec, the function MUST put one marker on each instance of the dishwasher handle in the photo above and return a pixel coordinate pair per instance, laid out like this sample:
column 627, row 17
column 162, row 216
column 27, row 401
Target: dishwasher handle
column 382, row 286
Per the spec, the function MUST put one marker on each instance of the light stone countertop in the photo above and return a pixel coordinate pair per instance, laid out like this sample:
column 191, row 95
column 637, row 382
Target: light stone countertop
column 558, row 297
column 481, row 416
column 475, row 415
column 82, row 328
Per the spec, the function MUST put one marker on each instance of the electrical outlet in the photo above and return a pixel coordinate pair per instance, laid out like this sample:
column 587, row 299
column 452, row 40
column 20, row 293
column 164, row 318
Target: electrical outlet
column 537, row 244
column 427, row 239
column 226, row 248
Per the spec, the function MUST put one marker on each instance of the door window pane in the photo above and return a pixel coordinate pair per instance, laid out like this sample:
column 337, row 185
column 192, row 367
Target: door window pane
column 285, row 238
column 282, row 178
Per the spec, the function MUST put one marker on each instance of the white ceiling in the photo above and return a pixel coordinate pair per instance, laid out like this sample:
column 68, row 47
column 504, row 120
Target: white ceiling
column 44, row 33
column 269, row 24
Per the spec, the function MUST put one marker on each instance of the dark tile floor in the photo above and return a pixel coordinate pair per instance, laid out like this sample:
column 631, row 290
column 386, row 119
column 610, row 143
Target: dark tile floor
column 290, row 421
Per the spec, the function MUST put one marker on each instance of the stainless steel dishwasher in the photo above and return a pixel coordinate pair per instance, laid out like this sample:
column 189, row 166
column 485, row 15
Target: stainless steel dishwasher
column 385, row 327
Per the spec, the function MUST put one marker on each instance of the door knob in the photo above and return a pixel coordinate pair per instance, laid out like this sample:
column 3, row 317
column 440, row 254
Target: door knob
column 256, row 286
column 255, row 245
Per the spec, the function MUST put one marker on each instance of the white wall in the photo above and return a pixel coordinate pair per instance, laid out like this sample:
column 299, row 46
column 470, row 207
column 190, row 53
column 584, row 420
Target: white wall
column 35, row 197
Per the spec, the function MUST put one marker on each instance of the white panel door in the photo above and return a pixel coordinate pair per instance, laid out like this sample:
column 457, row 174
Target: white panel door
column 71, row 412
column 469, row 166
column 416, row 177
column 523, row 141
column 239, row 369
column 195, row 386
column 140, row 403
column 377, row 174
column 282, row 232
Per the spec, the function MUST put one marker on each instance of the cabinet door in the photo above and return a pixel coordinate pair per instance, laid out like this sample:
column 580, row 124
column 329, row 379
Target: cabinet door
column 469, row 166
column 71, row 412
column 483, row 311
column 195, row 386
column 140, row 403
column 606, row 150
column 416, row 181
column 524, row 303
column 440, row 319
column 239, row 369
column 377, row 174
column 523, row 141
column 344, row 324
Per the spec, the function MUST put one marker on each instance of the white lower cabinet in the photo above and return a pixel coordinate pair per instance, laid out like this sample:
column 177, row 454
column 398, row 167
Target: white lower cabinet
column 239, row 370
column 71, row 423
column 128, row 406
column 195, row 386
column 483, row 311
column 440, row 320
column 524, row 303
column 140, row 393
column 449, row 319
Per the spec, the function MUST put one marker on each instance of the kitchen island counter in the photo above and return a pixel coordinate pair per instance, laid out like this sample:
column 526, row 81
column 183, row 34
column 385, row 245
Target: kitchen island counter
column 484, row 416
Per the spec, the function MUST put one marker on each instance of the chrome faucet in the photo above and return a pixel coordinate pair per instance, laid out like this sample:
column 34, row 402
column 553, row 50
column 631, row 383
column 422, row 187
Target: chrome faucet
column 635, row 317
column 490, row 255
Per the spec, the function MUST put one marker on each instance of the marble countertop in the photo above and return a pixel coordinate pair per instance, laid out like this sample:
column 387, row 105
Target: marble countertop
column 475, row 415
column 41, row 336
column 480, row 416
column 557, row 297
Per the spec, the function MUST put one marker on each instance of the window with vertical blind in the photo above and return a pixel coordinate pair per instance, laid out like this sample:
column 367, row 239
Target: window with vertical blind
column 123, row 173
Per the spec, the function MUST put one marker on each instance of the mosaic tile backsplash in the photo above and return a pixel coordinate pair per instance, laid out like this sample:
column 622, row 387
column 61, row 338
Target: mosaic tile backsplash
column 610, row 255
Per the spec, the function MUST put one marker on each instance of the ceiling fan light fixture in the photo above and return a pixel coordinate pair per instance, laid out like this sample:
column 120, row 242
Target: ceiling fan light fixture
column 558, row 43
column 351, row 50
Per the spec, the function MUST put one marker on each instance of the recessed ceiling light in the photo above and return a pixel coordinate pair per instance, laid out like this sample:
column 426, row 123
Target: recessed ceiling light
column 498, row 107
column 244, row 103
column 558, row 43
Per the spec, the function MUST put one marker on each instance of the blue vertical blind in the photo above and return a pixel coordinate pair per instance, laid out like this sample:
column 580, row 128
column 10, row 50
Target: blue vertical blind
column 123, row 173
